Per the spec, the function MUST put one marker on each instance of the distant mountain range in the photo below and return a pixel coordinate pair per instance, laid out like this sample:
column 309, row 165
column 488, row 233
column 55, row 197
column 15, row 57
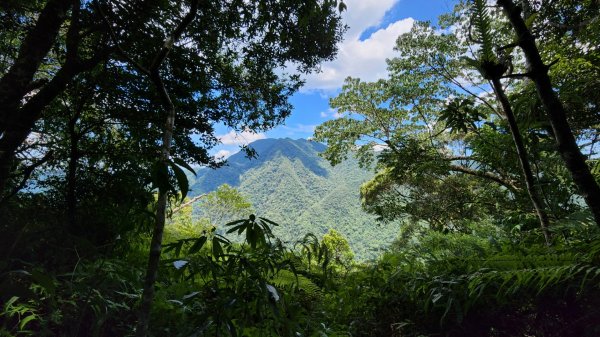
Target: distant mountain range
column 290, row 184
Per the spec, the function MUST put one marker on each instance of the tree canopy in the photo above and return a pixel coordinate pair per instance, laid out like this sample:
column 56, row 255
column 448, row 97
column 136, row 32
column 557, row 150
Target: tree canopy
column 442, row 141
column 481, row 142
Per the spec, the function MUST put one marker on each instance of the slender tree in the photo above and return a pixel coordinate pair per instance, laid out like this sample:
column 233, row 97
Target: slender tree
column 492, row 70
column 154, row 75
column 566, row 143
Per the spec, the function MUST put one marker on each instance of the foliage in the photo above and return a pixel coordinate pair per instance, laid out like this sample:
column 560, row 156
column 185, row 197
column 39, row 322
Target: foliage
column 468, row 260
column 457, row 284
column 338, row 248
column 289, row 183
column 224, row 205
column 446, row 156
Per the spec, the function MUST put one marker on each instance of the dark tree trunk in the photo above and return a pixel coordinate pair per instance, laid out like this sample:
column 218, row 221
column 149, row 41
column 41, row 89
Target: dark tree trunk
column 565, row 140
column 161, row 214
column 15, row 83
column 523, row 159
column 71, row 196
column 23, row 120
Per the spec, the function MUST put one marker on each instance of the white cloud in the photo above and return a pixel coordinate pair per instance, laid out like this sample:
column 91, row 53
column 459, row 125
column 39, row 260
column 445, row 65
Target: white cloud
column 362, row 14
column 242, row 138
column 223, row 154
column 364, row 59
column 299, row 128
column 331, row 113
column 379, row 147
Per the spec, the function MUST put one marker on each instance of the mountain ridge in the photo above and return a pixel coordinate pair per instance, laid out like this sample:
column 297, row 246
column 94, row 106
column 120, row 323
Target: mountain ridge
column 292, row 185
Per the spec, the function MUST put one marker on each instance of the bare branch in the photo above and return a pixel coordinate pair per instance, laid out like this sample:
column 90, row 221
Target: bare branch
column 191, row 201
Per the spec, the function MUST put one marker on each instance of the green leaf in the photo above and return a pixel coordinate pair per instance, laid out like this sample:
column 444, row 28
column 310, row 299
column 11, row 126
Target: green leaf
column 269, row 221
column 235, row 222
column 198, row 244
column 167, row 248
column 11, row 301
column 217, row 249
column 251, row 236
column 44, row 280
column 239, row 228
column 160, row 176
column 185, row 165
column 473, row 63
column 178, row 248
column 530, row 20
column 26, row 320
column 182, row 179
column 265, row 228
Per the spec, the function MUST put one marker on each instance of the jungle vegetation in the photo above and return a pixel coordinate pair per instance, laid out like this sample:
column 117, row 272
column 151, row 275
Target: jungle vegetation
column 481, row 141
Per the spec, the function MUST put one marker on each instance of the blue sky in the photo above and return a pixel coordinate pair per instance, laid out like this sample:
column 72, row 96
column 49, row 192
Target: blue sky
column 374, row 26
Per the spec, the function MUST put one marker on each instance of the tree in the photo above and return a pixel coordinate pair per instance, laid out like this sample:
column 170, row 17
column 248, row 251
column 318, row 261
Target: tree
column 225, row 205
column 38, row 73
column 184, row 65
column 493, row 70
column 402, row 116
column 28, row 85
column 431, row 121
column 565, row 140
column 338, row 248
column 255, row 62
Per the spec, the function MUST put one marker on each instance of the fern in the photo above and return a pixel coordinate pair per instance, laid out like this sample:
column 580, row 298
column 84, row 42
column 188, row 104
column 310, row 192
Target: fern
column 506, row 277
column 483, row 30
column 287, row 279
column 487, row 62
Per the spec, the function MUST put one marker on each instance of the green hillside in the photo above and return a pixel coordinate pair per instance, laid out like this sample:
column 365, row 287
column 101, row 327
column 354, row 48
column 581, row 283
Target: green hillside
column 289, row 183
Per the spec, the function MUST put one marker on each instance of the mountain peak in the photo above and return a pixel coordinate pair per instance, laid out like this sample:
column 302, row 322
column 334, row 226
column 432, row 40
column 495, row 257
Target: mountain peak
column 267, row 150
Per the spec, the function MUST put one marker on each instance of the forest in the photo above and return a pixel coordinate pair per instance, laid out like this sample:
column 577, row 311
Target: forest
column 480, row 144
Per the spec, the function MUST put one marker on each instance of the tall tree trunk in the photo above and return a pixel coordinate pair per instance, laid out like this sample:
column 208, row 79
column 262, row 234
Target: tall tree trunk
column 71, row 196
column 161, row 208
column 523, row 159
column 565, row 140
column 161, row 213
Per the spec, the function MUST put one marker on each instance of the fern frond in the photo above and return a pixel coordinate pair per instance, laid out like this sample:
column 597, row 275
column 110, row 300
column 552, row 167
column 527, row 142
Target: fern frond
column 287, row 279
column 483, row 30
column 509, row 283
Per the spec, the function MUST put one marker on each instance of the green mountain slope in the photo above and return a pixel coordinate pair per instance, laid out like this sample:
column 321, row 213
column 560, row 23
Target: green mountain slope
column 290, row 184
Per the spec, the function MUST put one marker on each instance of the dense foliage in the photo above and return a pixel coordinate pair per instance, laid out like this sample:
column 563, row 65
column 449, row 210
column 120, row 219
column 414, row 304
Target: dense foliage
column 481, row 141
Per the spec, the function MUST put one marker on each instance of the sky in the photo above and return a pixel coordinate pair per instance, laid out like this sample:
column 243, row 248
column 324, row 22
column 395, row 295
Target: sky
column 373, row 26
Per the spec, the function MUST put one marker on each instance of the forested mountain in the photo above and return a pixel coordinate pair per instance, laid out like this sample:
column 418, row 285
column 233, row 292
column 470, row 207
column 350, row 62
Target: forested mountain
column 486, row 125
column 290, row 184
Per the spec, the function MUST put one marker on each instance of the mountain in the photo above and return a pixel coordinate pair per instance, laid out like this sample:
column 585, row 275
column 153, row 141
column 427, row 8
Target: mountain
column 290, row 184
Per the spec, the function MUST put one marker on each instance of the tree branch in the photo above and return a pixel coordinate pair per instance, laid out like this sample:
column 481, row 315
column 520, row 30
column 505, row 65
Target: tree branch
column 191, row 201
column 26, row 174
column 115, row 41
column 170, row 40
column 518, row 76
column 486, row 175
column 35, row 46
